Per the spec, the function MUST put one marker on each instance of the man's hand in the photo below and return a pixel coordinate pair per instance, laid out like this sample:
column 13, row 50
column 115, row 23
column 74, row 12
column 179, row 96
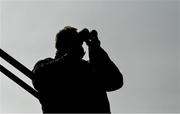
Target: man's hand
column 93, row 40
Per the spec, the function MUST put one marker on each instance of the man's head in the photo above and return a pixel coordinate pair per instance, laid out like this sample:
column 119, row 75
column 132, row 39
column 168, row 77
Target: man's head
column 67, row 41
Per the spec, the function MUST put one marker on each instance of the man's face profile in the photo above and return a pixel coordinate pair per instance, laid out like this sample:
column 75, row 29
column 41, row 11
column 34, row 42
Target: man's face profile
column 68, row 42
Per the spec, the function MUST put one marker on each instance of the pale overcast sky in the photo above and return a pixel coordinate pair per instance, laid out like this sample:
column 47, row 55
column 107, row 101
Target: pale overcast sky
column 140, row 36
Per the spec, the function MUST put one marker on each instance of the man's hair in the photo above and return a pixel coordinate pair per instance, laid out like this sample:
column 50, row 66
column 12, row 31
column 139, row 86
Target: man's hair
column 64, row 37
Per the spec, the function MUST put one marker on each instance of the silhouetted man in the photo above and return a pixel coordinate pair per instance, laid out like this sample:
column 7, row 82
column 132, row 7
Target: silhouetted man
column 69, row 84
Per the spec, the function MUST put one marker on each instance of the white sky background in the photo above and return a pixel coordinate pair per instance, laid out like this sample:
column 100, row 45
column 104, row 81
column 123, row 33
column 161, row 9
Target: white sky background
column 140, row 36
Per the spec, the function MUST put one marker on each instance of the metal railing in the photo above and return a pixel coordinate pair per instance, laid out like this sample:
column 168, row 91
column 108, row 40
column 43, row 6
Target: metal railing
column 21, row 68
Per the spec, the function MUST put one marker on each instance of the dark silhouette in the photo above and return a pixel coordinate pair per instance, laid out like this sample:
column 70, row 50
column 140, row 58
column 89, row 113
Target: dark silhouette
column 69, row 84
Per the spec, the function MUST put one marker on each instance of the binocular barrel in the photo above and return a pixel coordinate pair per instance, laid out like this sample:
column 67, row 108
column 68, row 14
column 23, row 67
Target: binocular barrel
column 21, row 68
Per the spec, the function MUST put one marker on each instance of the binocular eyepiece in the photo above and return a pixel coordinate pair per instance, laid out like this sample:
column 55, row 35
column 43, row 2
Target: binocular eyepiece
column 85, row 35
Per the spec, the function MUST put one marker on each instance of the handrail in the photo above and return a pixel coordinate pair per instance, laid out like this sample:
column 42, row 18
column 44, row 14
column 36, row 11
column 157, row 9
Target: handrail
column 19, row 81
column 21, row 68
column 16, row 64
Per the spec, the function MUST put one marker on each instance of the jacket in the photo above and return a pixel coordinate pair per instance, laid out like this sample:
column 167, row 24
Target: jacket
column 76, row 86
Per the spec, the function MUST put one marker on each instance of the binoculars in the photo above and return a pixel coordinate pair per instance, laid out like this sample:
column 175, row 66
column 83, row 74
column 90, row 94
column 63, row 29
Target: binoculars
column 84, row 35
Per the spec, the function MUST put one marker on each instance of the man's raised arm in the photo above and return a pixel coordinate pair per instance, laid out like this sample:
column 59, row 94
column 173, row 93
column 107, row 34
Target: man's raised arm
column 106, row 70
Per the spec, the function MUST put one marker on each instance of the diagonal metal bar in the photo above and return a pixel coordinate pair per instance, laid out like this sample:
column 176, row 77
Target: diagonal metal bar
column 19, row 81
column 16, row 64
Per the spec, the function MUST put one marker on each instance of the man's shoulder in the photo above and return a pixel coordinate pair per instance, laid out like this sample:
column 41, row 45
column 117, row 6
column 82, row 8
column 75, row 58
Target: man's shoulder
column 41, row 63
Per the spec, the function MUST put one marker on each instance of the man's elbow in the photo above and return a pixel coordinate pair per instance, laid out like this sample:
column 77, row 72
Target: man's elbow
column 116, row 84
column 119, row 80
column 116, row 87
column 121, row 84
